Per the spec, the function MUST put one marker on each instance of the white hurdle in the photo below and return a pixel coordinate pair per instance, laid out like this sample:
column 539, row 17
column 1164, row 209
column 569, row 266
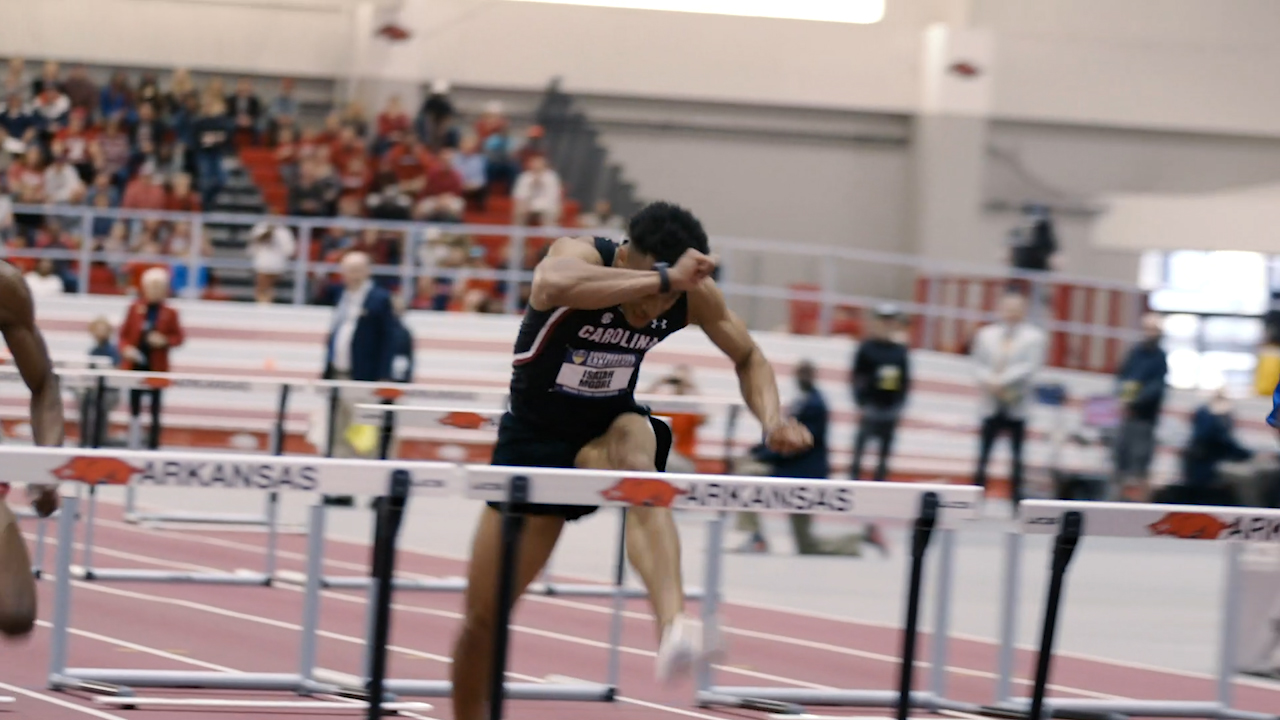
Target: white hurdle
column 1230, row 526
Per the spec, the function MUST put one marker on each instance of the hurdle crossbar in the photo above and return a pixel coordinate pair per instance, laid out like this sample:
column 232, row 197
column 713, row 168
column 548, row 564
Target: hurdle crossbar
column 1230, row 526
column 872, row 500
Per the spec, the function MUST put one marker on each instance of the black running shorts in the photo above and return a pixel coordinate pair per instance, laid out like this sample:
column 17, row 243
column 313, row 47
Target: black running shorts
column 523, row 445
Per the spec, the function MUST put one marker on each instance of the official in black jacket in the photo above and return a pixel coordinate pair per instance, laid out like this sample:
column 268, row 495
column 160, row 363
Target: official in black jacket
column 881, row 379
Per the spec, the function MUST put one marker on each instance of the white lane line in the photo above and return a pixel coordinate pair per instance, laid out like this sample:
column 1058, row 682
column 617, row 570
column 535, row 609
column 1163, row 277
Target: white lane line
column 141, row 648
column 59, row 702
column 601, row 609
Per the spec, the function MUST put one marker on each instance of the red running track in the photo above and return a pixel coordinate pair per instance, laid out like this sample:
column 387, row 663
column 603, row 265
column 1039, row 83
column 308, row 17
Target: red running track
column 169, row 626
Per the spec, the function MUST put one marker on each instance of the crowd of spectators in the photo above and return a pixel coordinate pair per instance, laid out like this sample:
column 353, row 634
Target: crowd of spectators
column 159, row 144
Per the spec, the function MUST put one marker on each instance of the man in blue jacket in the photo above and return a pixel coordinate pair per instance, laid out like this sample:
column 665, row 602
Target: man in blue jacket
column 361, row 341
column 1140, row 384
column 810, row 409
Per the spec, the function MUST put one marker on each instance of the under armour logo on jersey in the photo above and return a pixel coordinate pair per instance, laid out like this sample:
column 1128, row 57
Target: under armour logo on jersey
column 606, row 318
column 659, row 324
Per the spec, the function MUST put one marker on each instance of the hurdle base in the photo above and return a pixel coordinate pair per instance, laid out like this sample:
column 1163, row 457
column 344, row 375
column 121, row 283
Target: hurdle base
column 459, row 584
column 582, row 692
column 728, row 695
column 170, row 576
column 1139, row 708
column 179, row 516
column 120, row 682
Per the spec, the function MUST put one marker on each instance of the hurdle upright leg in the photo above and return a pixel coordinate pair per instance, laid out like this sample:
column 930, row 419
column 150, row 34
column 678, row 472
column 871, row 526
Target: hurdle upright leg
column 90, row 516
column 512, row 528
column 919, row 544
column 62, row 594
column 1008, row 616
column 619, row 599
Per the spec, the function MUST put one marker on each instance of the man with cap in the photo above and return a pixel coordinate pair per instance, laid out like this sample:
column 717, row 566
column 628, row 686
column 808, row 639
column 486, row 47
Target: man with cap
column 881, row 379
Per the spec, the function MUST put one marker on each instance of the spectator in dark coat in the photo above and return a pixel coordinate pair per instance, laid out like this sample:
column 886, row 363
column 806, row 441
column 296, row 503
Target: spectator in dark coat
column 1140, row 384
column 1212, row 443
column 881, row 380
column 211, row 133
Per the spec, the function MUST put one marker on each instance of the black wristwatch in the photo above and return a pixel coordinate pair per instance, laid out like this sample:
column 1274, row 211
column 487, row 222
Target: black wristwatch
column 664, row 279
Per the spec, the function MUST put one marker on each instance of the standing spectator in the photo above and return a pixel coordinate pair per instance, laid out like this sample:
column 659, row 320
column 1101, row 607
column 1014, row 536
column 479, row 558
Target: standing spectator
column 116, row 98
column 361, row 343
column 537, row 195
column 881, row 380
column 82, row 92
column 500, row 166
column 150, row 331
column 472, row 169
column 271, row 247
column 182, row 90
column 48, row 79
column 148, row 129
column 104, row 351
column 435, row 117
column 602, row 216
column 1033, row 243
column 1006, row 355
column 62, row 184
column 148, row 92
column 244, row 110
column 212, row 136
column 1140, row 385
column 43, row 281
column 283, row 110
column 810, row 408
column 100, row 328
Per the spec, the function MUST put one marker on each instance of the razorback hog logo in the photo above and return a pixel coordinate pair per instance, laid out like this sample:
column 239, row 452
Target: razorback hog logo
column 464, row 420
column 96, row 470
column 1188, row 526
column 645, row 492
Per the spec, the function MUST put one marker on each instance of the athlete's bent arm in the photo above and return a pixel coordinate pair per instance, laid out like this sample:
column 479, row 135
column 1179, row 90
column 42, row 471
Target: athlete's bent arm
column 726, row 330
column 572, row 276
column 18, row 324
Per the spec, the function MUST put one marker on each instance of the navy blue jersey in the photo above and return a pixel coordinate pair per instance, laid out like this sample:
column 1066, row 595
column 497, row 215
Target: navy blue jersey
column 575, row 370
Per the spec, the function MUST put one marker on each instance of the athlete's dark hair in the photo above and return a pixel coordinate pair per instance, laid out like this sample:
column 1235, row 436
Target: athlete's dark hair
column 663, row 231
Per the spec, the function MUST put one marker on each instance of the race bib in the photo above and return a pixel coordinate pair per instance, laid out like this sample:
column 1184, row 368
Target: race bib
column 596, row 374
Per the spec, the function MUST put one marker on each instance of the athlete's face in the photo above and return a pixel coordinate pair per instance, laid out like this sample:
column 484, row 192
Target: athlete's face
column 645, row 310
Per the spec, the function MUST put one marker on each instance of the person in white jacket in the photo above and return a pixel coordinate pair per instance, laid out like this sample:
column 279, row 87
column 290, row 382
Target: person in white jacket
column 1006, row 355
column 271, row 247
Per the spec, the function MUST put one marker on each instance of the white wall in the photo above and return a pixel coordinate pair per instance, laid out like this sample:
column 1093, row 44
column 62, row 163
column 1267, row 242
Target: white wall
column 1172, row 64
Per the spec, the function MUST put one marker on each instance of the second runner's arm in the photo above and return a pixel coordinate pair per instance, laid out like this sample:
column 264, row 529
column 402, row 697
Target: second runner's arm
column 572, row 276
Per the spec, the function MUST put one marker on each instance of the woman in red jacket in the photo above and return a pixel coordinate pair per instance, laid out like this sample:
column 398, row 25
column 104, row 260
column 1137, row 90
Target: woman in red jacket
column 150, row 330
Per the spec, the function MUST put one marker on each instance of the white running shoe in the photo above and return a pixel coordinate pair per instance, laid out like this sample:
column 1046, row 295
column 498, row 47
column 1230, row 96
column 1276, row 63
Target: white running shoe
column 682, row 647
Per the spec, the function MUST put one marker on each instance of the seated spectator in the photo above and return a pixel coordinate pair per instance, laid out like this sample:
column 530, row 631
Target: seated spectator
column 472, row 169
column 49, row 78
column 14, row 77
column 62, row 184
column 43, row 281
column 18, row 121
column 113, row 150
column 410, row 160
column 387, row 200
column 441, row 198
column 145, row 191
column 149, row 255
column 177, row 241
column 116, row 241
column 475, row 285
column 180, row 197
column 602, row 217
column 500, row 167
column 51, row 108
column 534, row 146
column 102, row 187
column 346, row 147
column 215, row 90
column 244, row 110
column 1212, row 443
column 116, row 98
column 315, row 193
column 392, row 121
column 100, row 199
column 212, row 136
column 492, row 121
column 148, row 92
column 81, row 91
column 435, row 117
column 54, row 237
column 271, row 247
column 355, row 117
column 331, row 130
column 283, row 110
column 26, row 177
column 354, row 178
column 537, row 195
column 77, row 138
column 182, row 90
